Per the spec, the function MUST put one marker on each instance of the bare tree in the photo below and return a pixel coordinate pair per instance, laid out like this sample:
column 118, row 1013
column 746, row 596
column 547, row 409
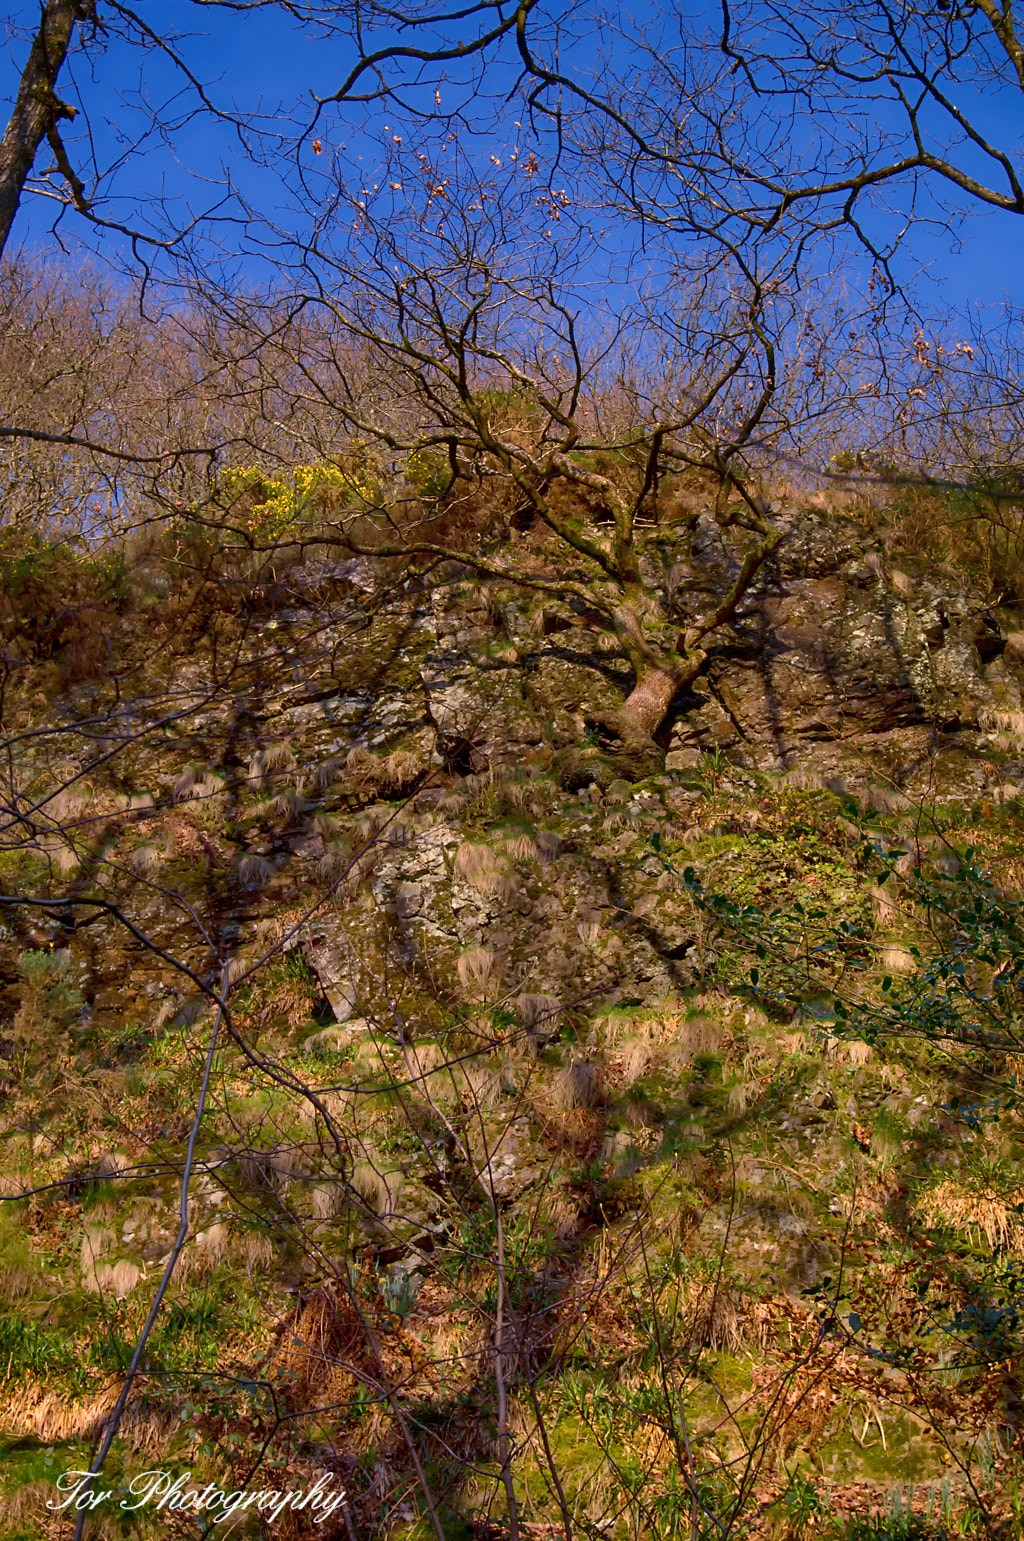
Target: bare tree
column 88, row 65
column 38, row 109
column 861, row 120
column 503, row 392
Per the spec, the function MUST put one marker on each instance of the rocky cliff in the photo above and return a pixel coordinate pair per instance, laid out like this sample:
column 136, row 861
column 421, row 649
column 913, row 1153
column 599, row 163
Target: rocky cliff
column 475, row 999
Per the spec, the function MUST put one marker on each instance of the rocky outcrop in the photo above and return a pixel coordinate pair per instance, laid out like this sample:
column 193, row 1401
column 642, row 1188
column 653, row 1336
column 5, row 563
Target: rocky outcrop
column 833, row 644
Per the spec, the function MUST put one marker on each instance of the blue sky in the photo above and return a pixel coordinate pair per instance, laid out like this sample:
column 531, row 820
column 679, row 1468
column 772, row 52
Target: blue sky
column 260, row 62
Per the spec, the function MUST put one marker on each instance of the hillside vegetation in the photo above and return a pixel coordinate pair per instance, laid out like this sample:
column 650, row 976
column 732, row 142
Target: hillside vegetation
column 588, row 1148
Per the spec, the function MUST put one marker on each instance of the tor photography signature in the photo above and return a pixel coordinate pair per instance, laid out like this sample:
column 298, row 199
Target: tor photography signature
column 162, row 1490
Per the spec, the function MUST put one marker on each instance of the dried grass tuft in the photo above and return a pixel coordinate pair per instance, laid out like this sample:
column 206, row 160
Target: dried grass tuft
column 882, row 907
column 328, row 1200
column 123, row 1278
column 700, row 1035
column 66, row 805
column 641, row 1114
column 738, row 1098
column 64, row 857
column 534, row 1010
column 475, row 967
column 279, row 757
column 802, row 780
column 214, row 1242
column 270, row 931
column 253, row 871
column 393, row 774
column 195, row 785
column 564, row 1216
column 325, row 775
column 286, row 805
column 96, row 1245
column 577, row 1086
column 183, row 786
column 334, row 863
column 726, row 1322
column 145, row 860
column 483, row 869
column 378, row 1190
column 895, row 959
column 403, row 769
column 47, row 1415
column 1011, row 723
column 258, row 1249
column 989, row 1214
column 519, row 796
column 326, row 1039
column 208, row 787
column 637, row 1059
column 521, row 848
column 483, row 1084
column 238, row 966
column 16, row 1279
column 428, row 1065
column 370, row 823
column 334, row 1104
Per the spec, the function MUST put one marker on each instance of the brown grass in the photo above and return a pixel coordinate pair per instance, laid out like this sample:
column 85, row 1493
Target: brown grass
column 893, row 958
column 474, row 967
column 145, row 860
column 257, row 1249
column 984, row 1212
column 882, row 907
column 254, row 871
column 483, row 1084
column 214, row 1241
column 536, row 1009
column 521, row 848
column 483, row 869
column 378, row 1190
column 637, row 1059
column 328, row 1200
column 36, row 1411
column 1010, row 723
column 579, row 1085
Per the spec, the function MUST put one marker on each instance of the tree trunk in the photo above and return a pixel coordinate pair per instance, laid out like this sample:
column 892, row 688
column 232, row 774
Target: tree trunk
column 643, row 712
column 37, row 109
column 644, row 709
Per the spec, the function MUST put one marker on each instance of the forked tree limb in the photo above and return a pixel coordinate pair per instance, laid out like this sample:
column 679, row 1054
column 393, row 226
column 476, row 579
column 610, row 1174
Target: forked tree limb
column 37, row 108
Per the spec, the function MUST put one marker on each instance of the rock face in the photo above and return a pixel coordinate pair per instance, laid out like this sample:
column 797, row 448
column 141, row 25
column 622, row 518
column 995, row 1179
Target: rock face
column 541, row 916
column 477, row 707
column 861, row 650
column 833, row 644
column 839, row 665
column 472, row 977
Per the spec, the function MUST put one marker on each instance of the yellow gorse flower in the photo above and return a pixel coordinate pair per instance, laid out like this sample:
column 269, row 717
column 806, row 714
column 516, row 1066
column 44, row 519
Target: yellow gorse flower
column 282, row 502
